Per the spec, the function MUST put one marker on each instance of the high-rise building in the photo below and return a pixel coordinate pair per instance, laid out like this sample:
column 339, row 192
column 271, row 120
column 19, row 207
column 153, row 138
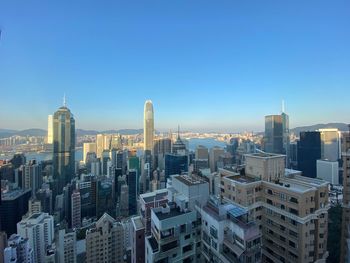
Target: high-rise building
column 76, row 209
column 32, row 176
column 63, row 148
column 39, row 229
column 105, row 241
column 34, row 206
column 148, row 126
column 283, row 204
column 67, row 247
column 214, row 155
column 175, row 164
column 149, row 201
column 328, row 171
column 88, row 147
column 330, row 144
column 45, row 197
column 201, row 152
column 309, row 151
column 273, row 139
column 18, row 250
column 14, row 204
column 137, row 240
column 50, row 129
column 345, row 233
column 132, row 187
column 161, row 147
column 3, row 245
column 124, row 200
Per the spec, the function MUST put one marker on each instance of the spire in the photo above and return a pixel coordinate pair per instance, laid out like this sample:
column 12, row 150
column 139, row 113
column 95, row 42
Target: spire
column 178, row 131
column 64, row 100
column 283, row 109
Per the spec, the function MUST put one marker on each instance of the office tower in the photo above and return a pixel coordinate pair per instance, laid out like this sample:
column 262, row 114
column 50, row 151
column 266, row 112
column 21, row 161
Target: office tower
column 104, row 197
column 144, row 180
column 137, row 240
column 134, row 163
column 273, row 139
column 50, row 129
column 39, row 229
column 104, row 242
column 148, row 126
column 330, row 144
column 201, row 152
column 328, row 171
column 309, row 151
column 18, row 250
column 63, row 148
column 104, row 160
column 132, row 187
column 124, row 200
column 228, row 235
column 149, row 201
column 14, row 204
column 67, row 247
column 88, row 147
column 161, row 147
column 34, row 206
column 32, row 176
column 345, row 233
column 67, row 204
column 122, row 161
column 175, row 164
column 99, row 145
column 76, row 209
column 283, row 204
column 95, row 166
column 178, row 147
column 3, row 245
column 214, row 154
column 45, row 198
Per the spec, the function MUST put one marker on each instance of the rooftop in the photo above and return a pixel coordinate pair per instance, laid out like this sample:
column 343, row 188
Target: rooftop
column 265, row 155
column 242, row 179
column 173, row 212
column 189, row 180
column 14, row 194
column 137, row 223
column 154, row 196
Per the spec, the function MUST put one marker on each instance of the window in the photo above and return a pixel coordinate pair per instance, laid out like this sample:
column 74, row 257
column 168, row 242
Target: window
column 213, row 232
column 292, row 244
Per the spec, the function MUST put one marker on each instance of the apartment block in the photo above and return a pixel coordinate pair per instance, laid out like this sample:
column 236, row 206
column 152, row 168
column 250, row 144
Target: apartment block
column 105, row 241
column 290, row 210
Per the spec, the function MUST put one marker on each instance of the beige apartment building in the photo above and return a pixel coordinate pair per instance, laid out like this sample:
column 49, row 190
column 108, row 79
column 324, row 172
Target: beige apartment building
column 105, row 242
column 291, row 210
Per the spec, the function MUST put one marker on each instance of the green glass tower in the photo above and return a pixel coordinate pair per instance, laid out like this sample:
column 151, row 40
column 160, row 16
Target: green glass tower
column 63, row 148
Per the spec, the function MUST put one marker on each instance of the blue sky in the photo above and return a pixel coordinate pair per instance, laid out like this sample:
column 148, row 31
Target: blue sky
column 206, row 65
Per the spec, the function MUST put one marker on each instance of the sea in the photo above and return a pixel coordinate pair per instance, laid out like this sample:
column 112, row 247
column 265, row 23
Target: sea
column 192, row 144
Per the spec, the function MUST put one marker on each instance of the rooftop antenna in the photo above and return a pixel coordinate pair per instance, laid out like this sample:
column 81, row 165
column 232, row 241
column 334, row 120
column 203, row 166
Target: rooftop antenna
column 283, row 108
column 64, row 100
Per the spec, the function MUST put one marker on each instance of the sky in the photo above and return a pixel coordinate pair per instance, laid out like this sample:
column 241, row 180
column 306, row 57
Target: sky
column 206, row 65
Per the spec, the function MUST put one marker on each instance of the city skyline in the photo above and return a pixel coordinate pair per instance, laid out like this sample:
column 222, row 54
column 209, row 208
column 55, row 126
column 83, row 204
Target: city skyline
column 224, row 65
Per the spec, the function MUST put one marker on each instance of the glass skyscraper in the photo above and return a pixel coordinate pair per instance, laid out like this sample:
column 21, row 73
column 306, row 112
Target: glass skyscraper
column 63, row 148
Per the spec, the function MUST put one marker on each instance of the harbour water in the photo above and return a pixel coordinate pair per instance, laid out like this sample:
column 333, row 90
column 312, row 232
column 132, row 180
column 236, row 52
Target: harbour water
column 192, row 144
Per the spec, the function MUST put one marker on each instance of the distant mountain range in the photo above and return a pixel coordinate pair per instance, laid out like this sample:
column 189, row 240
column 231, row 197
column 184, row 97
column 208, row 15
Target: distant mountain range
column 4, row 133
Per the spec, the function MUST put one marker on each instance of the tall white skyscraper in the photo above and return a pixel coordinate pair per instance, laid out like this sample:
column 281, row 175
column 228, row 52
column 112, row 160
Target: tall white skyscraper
column 50, row 129
column 148, row 126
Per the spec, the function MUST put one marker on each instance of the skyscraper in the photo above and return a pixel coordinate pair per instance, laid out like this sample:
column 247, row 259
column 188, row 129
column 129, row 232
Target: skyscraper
column 273, row 140
column 330, row 144
column 148, row 126
column 63, row 148
column 309, row 151
column 89, row 147
column 49, row 129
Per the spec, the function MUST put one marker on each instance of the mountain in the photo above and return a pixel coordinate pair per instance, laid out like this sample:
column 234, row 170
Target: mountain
column 337, row 125
column 4, row 133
